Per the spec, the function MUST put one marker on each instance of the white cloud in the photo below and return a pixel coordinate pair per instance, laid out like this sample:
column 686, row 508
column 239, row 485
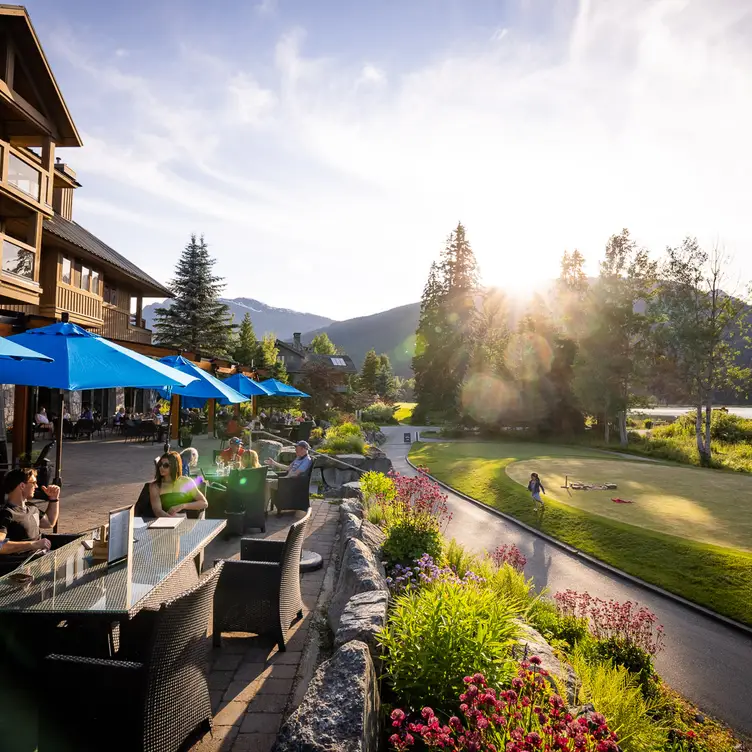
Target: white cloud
column 630, row 113
column 266, row 7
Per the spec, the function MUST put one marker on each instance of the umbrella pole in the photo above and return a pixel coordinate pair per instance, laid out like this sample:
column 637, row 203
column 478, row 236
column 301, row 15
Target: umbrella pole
column 58, row 480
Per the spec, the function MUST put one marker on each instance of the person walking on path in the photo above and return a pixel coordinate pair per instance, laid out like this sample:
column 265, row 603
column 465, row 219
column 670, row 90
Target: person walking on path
column 536, row 489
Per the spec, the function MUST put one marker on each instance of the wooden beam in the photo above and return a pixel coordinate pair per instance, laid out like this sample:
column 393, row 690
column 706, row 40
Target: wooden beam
column 9, row 64
column 175, row 419
column 21, row 420
column 212, row 413
column 48, row 164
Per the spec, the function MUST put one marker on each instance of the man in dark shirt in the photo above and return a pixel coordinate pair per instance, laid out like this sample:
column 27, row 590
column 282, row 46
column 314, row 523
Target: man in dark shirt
column 21, row 523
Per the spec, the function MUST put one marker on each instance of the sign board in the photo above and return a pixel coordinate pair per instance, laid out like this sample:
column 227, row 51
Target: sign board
column 408, row 438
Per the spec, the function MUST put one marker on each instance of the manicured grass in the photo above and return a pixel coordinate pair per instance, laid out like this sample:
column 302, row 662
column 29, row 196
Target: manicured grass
column 713, row 576
column 404, row 411
column 704, row 505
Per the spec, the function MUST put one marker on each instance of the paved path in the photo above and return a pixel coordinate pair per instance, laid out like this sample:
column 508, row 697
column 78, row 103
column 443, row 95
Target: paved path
column 709, row 663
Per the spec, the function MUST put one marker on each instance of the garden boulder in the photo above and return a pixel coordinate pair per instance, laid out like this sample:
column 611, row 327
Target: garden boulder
column 350, row 529
column 562, row 675
column 363, row 618
column 372, row 535
column 351, row 506
column 340, row 709
column 266, row 449
column 360, row 572
column 352, row 490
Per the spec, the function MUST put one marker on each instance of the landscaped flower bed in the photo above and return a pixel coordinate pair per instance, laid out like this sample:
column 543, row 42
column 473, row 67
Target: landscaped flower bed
column 455, row 678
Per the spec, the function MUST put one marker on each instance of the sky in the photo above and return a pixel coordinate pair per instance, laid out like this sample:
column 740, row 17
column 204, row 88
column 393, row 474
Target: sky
column 326, row 149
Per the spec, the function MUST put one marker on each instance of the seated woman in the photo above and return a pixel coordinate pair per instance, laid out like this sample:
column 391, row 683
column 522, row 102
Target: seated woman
column 171, row 492
column 249, row 460
column 189, row 459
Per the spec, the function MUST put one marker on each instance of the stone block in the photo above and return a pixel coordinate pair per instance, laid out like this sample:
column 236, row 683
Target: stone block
column 561, row 675
column 363, row 618
column 350, row 529
column 266, row 449
column 340, row 709
column 372, row 535
column 351, row 507
column 352, row 490
column 360, row 572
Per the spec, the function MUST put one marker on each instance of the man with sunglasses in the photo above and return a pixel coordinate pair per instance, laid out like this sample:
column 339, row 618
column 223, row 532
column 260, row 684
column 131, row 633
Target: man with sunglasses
column 21, row 523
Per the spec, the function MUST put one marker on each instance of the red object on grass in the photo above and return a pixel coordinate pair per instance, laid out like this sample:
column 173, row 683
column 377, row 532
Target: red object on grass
column 622, row 501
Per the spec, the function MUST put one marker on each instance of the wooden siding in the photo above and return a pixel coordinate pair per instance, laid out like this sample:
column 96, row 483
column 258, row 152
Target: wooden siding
column 117, row 325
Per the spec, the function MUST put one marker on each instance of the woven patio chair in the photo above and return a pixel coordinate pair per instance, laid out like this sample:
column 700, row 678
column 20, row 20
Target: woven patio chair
column 293, row 493
column 260, row 593
column 247, row 489
column 152, row 697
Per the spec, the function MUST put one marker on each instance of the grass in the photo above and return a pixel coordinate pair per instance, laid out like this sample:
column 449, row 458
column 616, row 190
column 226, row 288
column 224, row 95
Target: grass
column 404, row 411
column 717, row 577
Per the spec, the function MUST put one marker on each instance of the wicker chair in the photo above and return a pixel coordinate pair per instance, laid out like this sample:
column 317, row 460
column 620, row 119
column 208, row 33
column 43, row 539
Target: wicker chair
column 294, row 493
column 247, row 488
column 260, row 593
column 152, row 697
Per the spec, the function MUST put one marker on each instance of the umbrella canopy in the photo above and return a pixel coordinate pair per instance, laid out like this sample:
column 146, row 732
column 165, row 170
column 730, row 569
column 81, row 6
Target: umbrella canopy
column 11, row 351
column 83, row 360
column 241, row 383
column 203, row 386
column 279, row 389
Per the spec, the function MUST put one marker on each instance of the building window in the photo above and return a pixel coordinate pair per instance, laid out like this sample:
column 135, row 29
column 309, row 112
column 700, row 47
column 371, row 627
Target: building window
column 85, row 277
column 110, row 294
column 95, row 282
column 23, row 176
column 17, row 260
column 338, row 362
column 66, row 270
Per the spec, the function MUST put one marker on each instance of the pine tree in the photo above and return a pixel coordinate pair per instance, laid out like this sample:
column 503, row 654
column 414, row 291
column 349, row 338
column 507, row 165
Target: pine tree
column 246, row 349
column 322, row 345
column 385, row 383
column 269, row 355
column 196, row 321
column 369, row 374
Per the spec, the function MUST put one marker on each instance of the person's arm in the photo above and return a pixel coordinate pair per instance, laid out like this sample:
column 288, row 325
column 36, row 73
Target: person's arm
column 22, row 547
column 156, row 502
column 543, row 490
column 49, row 519
column 199, row 500
column 273, row 463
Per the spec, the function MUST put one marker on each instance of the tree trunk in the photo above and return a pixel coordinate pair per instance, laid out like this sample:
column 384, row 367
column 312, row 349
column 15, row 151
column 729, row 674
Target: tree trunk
column 623, row 440
column 701, row 449
column 606, row 430
column 708, row 419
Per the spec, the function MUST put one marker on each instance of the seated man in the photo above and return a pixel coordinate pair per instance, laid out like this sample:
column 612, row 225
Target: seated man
column 21, row 523
column 301, row 465
column 233, row 452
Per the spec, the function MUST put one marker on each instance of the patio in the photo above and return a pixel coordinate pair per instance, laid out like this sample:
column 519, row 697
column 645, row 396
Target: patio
column 251, row 682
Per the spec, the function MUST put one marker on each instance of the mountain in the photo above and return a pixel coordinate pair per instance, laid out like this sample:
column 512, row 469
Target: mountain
column 391, row 332
column 266, row 319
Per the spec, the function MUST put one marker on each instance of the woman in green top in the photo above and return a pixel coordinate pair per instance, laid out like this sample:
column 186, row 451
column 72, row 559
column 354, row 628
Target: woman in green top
column 171, row 492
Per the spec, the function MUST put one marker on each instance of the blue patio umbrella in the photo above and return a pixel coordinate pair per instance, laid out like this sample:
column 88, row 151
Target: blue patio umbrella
column 11, row 351
column 203, row 388
column 280, row 389
column 83, row 360
column 241, row 383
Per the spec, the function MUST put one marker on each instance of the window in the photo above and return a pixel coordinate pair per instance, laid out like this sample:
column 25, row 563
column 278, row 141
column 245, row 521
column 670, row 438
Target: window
column 23, row 176
column 17, row 260
column 85, row 277
column 95, row 282
column 66, row 270
column 338, row 362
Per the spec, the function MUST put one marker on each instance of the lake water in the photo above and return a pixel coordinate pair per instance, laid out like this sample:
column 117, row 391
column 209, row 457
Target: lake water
column 674, row 410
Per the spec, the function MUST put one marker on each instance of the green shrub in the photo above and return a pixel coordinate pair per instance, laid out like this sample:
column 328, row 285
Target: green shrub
column 634, row 659
column 436, row 636
column 463, row 561
column 648, row 424
column 377, row 488
column 569, row 631
column 367, row 427
column 344, row 429
column 317, row 435
column 615, row 692
column 346, row 438
column 380, row 413
column 408, row 538
column 724, row 427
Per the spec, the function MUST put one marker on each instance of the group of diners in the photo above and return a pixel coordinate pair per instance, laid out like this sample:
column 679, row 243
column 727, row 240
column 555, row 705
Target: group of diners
column 24, row 529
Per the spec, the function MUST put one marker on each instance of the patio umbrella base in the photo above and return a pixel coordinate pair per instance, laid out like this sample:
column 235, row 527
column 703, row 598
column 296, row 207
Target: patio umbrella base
column 310, row 561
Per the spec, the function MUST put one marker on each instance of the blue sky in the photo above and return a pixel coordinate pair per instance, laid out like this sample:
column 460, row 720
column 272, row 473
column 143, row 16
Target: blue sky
column 326, row 149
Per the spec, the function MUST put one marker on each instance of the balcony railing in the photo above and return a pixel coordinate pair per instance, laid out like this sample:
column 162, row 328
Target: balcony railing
column 23, row 176
column 119, row 324
column 22, row 170
column 18, row 258
column 79, row 302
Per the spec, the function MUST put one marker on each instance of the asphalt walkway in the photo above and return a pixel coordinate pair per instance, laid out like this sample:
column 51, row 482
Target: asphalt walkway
column 708, row 662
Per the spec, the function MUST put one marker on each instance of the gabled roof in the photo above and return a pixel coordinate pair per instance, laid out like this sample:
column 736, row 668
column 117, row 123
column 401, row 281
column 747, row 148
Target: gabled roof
column 343, row 363
column 73, row 233
column 25, row 38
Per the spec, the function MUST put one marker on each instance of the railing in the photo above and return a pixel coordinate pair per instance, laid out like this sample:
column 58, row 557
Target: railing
column 79, row 302
column 24, row 176
column 118, row 324
column 18, row 258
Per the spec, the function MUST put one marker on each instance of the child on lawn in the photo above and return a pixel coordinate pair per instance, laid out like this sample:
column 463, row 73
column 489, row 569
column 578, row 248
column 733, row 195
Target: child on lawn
column 536, row 489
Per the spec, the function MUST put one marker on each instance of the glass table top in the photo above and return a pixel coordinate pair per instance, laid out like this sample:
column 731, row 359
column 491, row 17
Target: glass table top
column 69, row 581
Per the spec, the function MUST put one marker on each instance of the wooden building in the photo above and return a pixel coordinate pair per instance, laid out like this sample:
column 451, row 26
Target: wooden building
column 296, row 356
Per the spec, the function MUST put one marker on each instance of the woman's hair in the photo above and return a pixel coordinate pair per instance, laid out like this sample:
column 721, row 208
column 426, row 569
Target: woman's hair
column 250, row 459
column 176, row 467
column 534, row 475
column 190, row 456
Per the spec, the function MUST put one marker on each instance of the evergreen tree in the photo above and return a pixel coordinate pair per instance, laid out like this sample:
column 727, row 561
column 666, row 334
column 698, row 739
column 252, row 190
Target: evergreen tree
column 196, row 321
column 270, row 361
column 246, row 349
column 369, row 374
column 385, row 382
column 322, row 345
column 445, row 335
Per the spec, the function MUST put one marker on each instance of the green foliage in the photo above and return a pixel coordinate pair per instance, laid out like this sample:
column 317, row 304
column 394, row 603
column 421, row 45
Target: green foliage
column 380, row 413
column 322, row 345
column 633, row 658
column 614, row 692
column 377, row 488
column 196, row 321
column 369, row 373
column 558, row 628
column 317, row 435
column 246, row 348
column 436, row 636
column 345, row 438
column 463, row 561
column 724, row 427
column 408, row 538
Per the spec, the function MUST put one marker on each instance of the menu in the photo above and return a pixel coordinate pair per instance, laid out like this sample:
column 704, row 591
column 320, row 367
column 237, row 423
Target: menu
column 120, row 542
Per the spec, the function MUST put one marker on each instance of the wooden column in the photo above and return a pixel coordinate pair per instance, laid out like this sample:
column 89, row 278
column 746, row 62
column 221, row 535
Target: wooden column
column 175, row 412
column 21, row 421
column 139, row 309
column 212, row 412
column 254, row 406
column 48, row 163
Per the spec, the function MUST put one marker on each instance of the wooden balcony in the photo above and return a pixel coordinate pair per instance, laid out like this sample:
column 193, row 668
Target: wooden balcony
column 119, row 324
column 84, row 307
column 23, row 177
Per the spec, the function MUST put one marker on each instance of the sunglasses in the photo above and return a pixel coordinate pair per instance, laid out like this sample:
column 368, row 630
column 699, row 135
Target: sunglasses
column 164, row 464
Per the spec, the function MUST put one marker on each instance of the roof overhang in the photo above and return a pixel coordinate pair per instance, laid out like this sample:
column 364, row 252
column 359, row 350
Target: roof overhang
column 26, row 40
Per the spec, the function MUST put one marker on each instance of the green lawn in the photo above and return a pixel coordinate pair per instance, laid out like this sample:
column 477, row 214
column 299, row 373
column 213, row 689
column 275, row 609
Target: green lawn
column 404, row 411
column 715, row 576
